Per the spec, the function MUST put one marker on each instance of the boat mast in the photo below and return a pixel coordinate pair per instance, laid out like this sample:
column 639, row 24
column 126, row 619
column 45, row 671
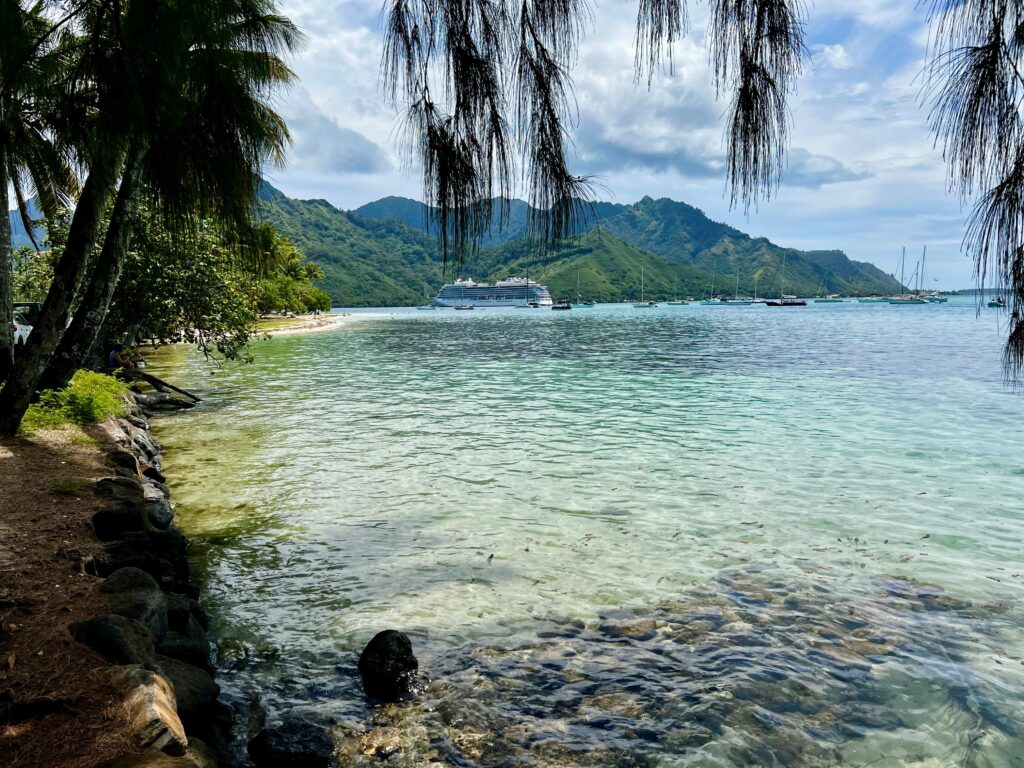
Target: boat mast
column 920, row 280
column 782, row 279
column 641, row 285
column 903, row 259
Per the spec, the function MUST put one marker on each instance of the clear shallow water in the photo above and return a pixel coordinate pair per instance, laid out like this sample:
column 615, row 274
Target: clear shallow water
column 720, row 535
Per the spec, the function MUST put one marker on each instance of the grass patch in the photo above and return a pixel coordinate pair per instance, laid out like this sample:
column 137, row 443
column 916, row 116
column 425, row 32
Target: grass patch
column 89, row 398
column 67, row 487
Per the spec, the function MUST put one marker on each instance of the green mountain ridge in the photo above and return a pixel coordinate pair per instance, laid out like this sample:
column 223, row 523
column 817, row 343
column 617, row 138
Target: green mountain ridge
column 383, row 254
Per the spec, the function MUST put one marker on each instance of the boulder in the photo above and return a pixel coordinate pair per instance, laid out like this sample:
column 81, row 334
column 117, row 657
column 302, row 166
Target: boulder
column 154, row 474
column 121, row 489
column 294, row 743
column 124, row 460
column 388, row 667
column 116, row 638
column 152, row 710
column 180, row 608
column 134, row 594
column 159, row 513
column 172, row 545
column 135, row 550
column 111, row 524
column 190, row 646
column 194, row 690
column 150, row 760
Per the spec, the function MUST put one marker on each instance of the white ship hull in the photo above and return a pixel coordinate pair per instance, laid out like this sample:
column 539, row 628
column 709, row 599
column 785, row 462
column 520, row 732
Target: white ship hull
column 514, row 292
column 484, row 303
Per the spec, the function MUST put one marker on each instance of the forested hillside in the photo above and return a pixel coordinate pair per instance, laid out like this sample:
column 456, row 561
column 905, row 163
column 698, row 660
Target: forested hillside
column 384, row 254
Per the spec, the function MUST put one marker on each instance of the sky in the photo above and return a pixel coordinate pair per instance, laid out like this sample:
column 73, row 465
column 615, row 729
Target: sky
column 863, row 174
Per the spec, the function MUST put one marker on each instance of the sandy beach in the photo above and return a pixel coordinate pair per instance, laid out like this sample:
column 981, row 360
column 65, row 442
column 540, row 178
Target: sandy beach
column 286, row 326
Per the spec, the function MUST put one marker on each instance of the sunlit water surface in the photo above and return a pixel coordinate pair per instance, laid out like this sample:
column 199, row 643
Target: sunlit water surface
column 707, row 536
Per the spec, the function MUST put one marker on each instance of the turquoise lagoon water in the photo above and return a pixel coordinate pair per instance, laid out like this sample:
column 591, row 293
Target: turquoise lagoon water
column 676, row 536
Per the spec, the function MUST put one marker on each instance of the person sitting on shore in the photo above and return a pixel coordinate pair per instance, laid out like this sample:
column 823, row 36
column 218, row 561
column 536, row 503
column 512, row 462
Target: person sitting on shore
column 118, row 358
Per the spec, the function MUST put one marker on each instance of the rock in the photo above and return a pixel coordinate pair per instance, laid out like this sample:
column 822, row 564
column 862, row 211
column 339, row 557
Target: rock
column 388, row 667
column 122, row 459
column 116, row 638
column 152, row 710
column 111, row 524
column 294, row 743
column 135, row 550
column 154, row 474
column 121, row 489
column 159, row 513
column 636, row 629
column 146, row 444
column 199, row 754
column 151, row 760
column 172, row 545
column 134, row 594
column 180, row 608
column 190, row 646
column 194, row 690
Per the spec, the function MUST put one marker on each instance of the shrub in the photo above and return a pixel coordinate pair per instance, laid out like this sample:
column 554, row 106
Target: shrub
column 90, row 397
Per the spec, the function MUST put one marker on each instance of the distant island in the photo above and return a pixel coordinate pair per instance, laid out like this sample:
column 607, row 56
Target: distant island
column 384, row 254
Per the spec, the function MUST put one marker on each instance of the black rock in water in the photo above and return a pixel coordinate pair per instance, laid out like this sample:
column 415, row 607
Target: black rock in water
column 388, row 666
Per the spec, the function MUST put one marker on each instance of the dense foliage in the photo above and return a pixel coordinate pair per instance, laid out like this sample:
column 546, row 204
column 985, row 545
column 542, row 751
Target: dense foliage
column 89, row 397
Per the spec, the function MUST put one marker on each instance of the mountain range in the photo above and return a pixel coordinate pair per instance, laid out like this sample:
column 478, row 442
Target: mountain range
column 385, row 254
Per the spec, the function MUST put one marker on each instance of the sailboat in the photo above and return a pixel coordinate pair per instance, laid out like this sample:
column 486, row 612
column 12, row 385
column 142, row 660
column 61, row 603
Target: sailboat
column 712, row 301
column 910, row 298
column 829, row 298
column 580, row 304
column 783, row 300
column 677, row 302
column 643, row 304
column 736, row 301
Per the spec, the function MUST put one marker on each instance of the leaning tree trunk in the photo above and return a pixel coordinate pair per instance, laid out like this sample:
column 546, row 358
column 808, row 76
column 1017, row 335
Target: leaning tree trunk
column 21, row 385
column 79, row 338
column 6, row 282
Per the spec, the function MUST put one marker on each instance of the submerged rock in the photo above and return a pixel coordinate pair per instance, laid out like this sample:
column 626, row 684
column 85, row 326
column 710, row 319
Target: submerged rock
column 388, row 667
column 293, row 743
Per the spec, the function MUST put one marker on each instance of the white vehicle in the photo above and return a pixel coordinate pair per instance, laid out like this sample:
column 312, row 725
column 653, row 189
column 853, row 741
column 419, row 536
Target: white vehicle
column 21, row 330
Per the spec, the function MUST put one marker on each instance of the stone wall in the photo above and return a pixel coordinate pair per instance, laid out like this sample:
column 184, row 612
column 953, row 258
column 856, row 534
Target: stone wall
column 153, row 629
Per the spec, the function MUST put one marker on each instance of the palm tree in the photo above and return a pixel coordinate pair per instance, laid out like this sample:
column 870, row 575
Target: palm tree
column 180, row 101
column 31, row 159
column 204, row 160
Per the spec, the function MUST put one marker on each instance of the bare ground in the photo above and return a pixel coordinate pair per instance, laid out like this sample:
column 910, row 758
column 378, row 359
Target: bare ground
column 57, row 706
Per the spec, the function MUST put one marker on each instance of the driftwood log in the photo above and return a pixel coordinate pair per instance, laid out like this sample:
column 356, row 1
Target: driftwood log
column 158, row 384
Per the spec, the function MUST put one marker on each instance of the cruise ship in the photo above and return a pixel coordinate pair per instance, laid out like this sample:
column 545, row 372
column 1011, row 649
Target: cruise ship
column 511, row 292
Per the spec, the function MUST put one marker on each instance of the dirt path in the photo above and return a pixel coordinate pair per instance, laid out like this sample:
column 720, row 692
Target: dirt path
column 57, row 707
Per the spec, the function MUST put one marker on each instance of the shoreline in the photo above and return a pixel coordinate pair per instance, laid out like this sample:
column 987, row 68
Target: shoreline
column 303, row 324
column 104, row 654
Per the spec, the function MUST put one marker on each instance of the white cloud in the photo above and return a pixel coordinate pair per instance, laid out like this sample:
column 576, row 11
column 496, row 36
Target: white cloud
column 832, row 56
column 862, row 175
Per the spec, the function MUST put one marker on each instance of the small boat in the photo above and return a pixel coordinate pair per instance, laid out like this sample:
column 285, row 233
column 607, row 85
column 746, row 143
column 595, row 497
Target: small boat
column 937, row 299
column 784, row 300
column 579, row 303
column 997, row 303
column 561, row 305
column 830, row 298
column 678, row 303
column 464, row 306
column 907, row 299
column 874, row 300
column 643, row 304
